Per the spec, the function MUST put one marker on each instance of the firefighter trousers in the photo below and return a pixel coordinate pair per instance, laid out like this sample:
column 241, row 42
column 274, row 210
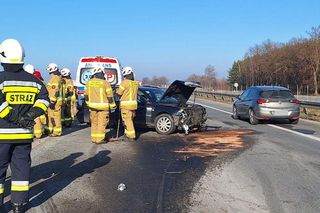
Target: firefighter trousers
column 66, row 114
column 99, row 122
column 18, row 156
column 127, row 118
column 40, row 123
column 54, row 120
column 73, row 110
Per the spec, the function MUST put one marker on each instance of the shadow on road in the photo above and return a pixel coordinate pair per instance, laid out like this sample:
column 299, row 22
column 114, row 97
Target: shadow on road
column 54, row 176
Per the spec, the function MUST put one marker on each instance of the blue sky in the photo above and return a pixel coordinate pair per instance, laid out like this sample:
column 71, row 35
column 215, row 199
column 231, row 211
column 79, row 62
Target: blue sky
column 173, row 38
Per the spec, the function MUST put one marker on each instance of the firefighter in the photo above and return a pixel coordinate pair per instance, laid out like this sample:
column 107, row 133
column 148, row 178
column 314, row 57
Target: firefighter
column 41, row 120
column 128, row 102
column 54, row 88
column 99, row 98
column 22, row 99
column 69, row 97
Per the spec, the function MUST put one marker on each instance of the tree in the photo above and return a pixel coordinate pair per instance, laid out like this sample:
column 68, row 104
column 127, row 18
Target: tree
column 145, row 81
column 314, row 46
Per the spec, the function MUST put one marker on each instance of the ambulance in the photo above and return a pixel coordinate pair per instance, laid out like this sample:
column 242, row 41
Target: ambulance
column 112, row 73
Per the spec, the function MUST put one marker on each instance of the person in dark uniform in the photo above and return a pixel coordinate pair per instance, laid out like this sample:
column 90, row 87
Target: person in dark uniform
column 23, row 98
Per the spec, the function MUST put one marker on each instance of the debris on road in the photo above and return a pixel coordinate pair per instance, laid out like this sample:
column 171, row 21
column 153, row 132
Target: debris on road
column 122, row 187
column 213, row 143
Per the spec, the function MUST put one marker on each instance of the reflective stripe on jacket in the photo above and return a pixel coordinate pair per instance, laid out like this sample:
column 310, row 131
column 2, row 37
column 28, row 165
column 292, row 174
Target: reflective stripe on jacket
column 98, row 92
column 19, row 91
column 54, row 88
column 128, row 90
column 69, row 92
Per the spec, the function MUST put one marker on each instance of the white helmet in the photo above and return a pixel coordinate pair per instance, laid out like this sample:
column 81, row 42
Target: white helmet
column 65, row 72
column 97, row 70
column 29, row 68
column 11, row 52
column 52, row 67
column 127, row 71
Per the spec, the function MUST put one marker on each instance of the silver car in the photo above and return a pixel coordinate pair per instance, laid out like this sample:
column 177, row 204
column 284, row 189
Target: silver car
column 267, row 103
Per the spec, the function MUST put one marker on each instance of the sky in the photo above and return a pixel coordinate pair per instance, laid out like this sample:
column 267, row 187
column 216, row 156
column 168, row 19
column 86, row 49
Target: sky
column 172, row 38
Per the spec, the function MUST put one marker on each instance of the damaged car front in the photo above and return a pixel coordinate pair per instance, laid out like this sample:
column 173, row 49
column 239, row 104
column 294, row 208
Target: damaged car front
column 169, row 110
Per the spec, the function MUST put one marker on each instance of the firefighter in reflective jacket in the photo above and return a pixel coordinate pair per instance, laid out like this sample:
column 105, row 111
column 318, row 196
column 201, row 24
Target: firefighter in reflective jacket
column 128, row 103
column 99, row 98
column 54, row 88
column 41, row 121
column 22, row 99
column 69, row 97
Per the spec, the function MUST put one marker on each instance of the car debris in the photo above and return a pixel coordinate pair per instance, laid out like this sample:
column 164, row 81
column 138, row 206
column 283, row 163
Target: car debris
column 122, row 187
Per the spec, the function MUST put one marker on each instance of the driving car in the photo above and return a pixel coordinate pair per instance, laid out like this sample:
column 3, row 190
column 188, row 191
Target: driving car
column 267, row 103
column 168, row 110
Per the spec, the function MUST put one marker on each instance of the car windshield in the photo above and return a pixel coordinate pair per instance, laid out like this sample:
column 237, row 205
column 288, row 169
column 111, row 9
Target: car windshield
column 274, row 94
column 157, row 93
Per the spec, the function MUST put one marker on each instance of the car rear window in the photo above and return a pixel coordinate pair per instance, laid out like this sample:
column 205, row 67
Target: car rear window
column 271, row 94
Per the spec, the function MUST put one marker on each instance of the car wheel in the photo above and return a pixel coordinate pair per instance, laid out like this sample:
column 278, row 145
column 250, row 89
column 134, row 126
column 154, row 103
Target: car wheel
column 235, row 113
column 294, row 121
column 252, row 118
column 164, row 124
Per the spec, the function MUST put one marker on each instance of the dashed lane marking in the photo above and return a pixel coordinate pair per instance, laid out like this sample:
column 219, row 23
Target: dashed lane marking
column 271, row 125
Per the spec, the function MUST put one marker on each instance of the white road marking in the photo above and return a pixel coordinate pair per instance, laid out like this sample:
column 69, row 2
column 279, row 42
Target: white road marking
column 271, row 125
column 220, row 110
column 294, row 132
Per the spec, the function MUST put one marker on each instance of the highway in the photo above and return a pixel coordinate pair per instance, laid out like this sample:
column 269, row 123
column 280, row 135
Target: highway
column 275, row 168
column 279, row 173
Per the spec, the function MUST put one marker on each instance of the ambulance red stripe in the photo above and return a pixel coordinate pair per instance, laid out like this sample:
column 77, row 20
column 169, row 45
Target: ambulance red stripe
column 103, row 60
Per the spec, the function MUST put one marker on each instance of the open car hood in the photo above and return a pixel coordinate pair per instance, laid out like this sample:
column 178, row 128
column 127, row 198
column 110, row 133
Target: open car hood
column 180, row 90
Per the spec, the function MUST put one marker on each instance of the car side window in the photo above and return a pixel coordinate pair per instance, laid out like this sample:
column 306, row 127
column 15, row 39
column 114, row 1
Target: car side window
column 244, row 95
column 252, row 94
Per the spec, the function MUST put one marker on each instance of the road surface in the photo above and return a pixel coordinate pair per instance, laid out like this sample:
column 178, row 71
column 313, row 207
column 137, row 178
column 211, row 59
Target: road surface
column 263, row 168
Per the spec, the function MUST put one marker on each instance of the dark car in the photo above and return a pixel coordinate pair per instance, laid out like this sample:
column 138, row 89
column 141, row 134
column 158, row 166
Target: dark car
column 267, row 103
column 168, row 110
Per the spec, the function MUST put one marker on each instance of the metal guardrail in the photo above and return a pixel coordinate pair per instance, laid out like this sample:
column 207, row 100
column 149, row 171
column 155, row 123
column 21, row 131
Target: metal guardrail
column 306, row 104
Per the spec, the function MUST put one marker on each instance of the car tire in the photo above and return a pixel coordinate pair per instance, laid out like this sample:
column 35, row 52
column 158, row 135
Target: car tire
column 164, row 124
column 252, row 118
column 294, row 121
column 235, row 113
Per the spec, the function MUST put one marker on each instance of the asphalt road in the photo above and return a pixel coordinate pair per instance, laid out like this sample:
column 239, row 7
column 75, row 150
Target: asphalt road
column 273, row 168
column 279, row 173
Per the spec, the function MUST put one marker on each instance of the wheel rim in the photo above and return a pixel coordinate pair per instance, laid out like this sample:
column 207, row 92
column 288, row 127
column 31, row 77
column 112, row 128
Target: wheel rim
column 164, row 124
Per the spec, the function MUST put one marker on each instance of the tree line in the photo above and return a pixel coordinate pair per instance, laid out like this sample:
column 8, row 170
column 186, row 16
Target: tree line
column 160, row 81
column 294, row 64
column 208, row 80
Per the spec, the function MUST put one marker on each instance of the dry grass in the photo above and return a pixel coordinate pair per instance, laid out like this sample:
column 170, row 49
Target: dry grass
column 213, row 143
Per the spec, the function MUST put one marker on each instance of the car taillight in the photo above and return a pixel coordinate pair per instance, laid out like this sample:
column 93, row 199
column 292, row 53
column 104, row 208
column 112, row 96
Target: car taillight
column 295, row 101
column 262, row 101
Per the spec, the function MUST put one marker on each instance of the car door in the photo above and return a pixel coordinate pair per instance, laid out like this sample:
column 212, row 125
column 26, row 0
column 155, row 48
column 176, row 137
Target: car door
column 247, row 102
column 140, row 118
column 241, row 105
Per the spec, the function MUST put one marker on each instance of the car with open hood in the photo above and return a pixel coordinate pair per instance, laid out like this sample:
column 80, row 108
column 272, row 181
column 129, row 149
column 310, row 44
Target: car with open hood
column 169, row 110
